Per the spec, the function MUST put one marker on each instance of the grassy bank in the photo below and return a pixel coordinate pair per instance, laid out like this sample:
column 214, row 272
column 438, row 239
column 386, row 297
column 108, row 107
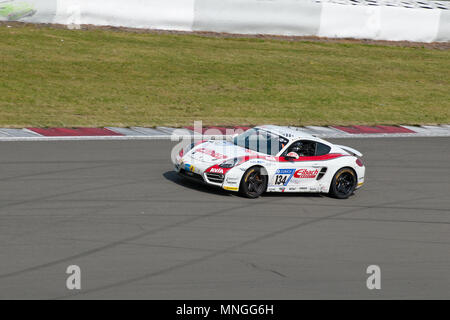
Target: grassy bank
column 57, row 77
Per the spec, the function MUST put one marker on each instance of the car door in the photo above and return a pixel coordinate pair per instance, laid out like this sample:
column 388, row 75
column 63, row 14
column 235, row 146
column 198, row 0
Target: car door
column 298, row 174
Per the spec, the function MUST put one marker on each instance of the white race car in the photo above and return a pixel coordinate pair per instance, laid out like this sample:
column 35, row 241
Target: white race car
column 274, row 159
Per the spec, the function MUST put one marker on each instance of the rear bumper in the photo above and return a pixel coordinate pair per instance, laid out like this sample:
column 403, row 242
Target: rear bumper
column 360, row 173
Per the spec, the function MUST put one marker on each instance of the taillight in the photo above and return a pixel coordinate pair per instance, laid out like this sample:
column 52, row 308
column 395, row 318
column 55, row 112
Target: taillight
column 359, row 162
column 181, row 153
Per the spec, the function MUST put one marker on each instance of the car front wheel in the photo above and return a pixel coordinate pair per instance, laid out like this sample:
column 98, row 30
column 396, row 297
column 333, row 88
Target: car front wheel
column 253, row 183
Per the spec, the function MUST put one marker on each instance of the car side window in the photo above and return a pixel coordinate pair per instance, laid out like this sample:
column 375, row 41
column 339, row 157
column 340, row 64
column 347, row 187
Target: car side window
column 304, row 148
column 322, row 149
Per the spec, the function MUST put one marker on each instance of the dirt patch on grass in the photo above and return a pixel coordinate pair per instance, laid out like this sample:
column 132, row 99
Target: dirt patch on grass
column 432, row 45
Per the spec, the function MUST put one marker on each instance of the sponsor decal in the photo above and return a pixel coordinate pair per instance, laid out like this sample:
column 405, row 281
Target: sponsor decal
column 287, row 135
column 223, row 143
column 216, row 170
column 189, row 167
column 306, row 174
column 283, row 176
column 285, row 171
column 212, row 153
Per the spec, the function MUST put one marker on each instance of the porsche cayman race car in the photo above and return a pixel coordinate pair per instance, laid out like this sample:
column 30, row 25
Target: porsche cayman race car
column 273, row 159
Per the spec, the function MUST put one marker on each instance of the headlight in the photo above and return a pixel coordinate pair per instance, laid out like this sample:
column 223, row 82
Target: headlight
column 230, row 163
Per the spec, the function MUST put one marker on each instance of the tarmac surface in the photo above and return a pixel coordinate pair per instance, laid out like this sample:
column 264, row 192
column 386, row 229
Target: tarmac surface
column 138, row 231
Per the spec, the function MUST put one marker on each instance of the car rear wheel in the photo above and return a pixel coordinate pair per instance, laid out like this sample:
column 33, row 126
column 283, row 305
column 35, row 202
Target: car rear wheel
column 253, row 183
column 343, row 184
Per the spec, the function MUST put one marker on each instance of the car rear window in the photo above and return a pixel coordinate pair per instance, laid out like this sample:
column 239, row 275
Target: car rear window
column 322, row 149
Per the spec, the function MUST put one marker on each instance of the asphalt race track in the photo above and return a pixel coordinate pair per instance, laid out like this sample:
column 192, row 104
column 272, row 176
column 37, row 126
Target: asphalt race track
column 116, row 209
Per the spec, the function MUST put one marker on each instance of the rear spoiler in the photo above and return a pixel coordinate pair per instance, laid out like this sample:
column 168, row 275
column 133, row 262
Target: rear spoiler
column 350, row 150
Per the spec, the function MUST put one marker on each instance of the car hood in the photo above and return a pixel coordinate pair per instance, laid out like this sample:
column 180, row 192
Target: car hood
column 216, row 152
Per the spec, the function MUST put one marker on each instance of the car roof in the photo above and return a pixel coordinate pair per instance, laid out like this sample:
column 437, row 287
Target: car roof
column 288, row 132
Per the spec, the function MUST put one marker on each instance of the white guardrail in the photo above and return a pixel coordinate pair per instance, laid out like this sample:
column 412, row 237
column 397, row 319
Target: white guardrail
column 415, row 20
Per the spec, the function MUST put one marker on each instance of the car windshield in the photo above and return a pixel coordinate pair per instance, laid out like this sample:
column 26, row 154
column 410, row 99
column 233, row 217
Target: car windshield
column 261, row 141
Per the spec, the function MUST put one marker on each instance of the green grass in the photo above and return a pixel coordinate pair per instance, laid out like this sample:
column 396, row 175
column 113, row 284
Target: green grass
column 58, row 77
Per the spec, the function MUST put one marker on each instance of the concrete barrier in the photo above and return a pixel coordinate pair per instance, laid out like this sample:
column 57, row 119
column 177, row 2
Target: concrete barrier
column 379, row 22
column 444, row 27
column 151, row 14
column 280, row 17
column 362, row 19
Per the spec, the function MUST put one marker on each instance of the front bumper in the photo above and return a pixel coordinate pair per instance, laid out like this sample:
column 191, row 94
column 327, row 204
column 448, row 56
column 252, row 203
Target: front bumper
column 190, row 175
column 226, row 181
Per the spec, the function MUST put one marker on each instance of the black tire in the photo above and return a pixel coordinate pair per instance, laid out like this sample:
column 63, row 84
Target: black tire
column 343, row 184
column 253, row 183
